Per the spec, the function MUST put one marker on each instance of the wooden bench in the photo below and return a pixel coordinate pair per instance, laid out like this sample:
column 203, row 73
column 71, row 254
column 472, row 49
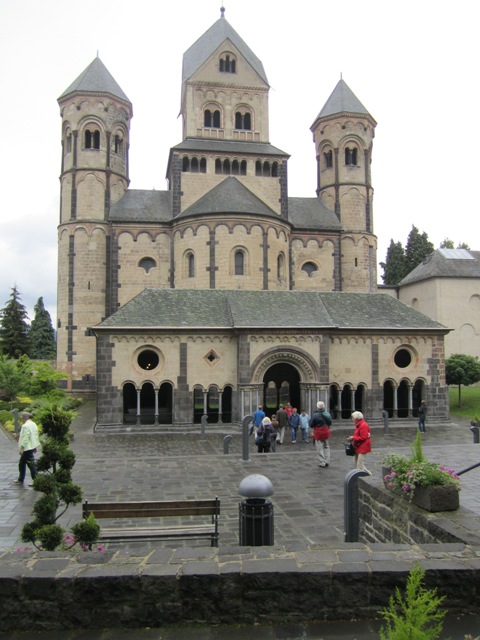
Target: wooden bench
column 187, row 512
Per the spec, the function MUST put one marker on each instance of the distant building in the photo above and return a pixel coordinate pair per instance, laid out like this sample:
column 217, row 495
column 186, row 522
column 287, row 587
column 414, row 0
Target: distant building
column 446, row 287
column 224, row 292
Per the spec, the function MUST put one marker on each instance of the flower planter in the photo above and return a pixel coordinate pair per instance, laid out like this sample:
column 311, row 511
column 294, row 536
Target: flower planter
column 443, row 497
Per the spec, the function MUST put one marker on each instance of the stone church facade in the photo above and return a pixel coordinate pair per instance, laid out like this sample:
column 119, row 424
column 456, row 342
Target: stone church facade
column 223, row 292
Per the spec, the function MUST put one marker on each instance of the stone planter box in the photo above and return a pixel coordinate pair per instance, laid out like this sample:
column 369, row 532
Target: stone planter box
column 445, row 497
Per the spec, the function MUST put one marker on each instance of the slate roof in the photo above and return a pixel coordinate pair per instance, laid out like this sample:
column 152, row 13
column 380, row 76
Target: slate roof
column 311, row 213
column 230, row 196
column 96, row 78
column 445, row 263
column 228, row 146
column 342, row 100
column 192, row 309
column 209, row 42
column 138, row 205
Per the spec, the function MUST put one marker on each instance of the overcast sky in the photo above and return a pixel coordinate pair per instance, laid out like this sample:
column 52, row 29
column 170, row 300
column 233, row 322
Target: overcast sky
column 413, row 64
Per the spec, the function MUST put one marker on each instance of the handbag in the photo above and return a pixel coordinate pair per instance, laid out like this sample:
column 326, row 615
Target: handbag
column 349, row 448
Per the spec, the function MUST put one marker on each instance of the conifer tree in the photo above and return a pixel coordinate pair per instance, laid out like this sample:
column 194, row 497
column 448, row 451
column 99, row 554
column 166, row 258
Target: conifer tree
column 394, row 267
column 14, row 327
column 41, row 336
column 418, row 247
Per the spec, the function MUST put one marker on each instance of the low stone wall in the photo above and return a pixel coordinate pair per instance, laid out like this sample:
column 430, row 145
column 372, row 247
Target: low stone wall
column 54, row 591
column 388, row 517
column 245, row 585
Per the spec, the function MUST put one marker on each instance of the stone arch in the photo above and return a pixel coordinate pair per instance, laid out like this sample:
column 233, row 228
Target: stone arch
column 299, row 359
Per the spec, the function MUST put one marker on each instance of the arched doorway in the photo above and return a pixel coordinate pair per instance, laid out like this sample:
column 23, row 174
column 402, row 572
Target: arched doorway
column 281, row 385
column 346, row 397
column 147, row 403
column 402, row 399
column 129, row 403
column 418, row 394
column 388, row 393
column 165, row 398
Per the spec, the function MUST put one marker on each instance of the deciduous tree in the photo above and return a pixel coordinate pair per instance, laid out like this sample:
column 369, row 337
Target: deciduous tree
column 461, row 369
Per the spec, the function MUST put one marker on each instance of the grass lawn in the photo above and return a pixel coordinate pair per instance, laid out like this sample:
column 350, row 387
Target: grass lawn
column 470, row 402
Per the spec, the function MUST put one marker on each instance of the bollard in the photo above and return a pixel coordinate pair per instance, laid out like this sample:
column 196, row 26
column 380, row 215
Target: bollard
column 350, row 504
column 203, row 424
column 385, row 421
column 226, row 442
column 256, row 512
column 475, row 431
column 245, row 435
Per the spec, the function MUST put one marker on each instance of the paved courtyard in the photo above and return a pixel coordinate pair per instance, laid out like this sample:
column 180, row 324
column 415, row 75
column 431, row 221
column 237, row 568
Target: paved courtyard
column 308, row 500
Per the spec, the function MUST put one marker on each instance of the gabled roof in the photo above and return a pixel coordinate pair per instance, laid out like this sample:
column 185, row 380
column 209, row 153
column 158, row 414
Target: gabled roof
column 96, row 78
column 194, row 309
column 209, row 42
column 445, row 263
column 342, row 100
column 230, row 196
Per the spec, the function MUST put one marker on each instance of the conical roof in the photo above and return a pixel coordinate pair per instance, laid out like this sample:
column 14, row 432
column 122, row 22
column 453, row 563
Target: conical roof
column 207, row 44
column 96, row 78
column 342, row 100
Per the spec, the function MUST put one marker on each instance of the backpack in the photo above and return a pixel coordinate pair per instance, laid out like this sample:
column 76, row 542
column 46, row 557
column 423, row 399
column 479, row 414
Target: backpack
column 262, row 438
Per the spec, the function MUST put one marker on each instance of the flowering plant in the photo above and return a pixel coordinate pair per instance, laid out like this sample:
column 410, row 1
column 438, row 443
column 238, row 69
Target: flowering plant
column 416, row 471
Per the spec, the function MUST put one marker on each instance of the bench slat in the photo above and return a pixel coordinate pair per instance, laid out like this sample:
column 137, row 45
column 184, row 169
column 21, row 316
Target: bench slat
column 204, row 531
column 157, row 509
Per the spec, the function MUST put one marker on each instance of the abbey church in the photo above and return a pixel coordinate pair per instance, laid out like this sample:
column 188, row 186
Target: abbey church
column 224, row 291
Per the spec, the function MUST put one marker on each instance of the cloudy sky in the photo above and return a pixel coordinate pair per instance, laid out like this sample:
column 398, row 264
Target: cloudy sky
column 413, row 64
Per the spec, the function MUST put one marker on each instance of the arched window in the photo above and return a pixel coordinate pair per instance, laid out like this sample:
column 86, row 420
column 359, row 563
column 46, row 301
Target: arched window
column 351, row 156
column 68, row 148
column 186, row 164
column 328, row 159
column 226, row 166
column 280, row 266
column 218, row 166
column 239, row 263
column 147, row 264
column 275, row 170
column 243, row 168
column 118, row 145
column 309, row 268
column 235, row 168
column 243, row 120
column 194, row 165
column 92, row 139
column 258, row 168
column 227, row 63
column 211, row 119
column 203, row 165
column 190, row 265
column 266, row 168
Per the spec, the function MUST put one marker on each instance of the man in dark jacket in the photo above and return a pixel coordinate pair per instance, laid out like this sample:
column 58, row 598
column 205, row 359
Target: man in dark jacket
column 320, row 422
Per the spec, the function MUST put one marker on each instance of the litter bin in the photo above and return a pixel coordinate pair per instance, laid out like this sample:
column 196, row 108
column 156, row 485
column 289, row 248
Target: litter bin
column 255, row 514
column 256, row 522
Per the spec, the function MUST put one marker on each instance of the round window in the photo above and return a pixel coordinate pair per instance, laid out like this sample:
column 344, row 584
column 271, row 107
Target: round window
column 402, row 358
column 148, row 359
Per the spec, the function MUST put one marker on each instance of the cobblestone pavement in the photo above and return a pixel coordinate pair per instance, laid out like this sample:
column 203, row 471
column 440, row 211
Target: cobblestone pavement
column 308, row 500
